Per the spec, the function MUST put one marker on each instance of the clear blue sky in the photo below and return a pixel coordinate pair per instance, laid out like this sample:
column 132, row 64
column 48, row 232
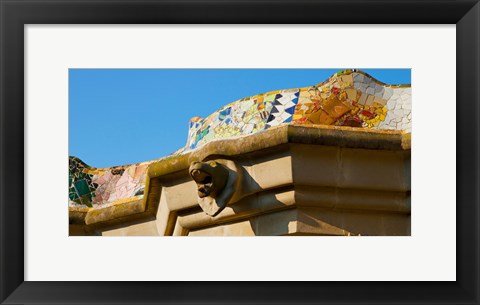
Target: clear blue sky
column 122, row 116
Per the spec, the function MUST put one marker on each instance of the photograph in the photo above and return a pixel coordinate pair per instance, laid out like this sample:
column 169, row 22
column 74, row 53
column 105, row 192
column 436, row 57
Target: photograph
column 239, row 152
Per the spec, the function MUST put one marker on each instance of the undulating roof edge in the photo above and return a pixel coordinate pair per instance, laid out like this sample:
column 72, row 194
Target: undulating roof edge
column 350, row 109
column 339, row 136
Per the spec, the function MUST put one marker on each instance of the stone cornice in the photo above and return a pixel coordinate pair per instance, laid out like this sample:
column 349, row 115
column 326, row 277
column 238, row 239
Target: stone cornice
column 339, row 136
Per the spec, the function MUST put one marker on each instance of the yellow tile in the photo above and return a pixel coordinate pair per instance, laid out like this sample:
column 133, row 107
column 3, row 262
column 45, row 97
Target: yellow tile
column 347, row 79
column 351, row 93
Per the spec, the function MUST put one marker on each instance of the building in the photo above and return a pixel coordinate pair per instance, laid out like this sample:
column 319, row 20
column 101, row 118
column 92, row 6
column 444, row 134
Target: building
column 331, row 159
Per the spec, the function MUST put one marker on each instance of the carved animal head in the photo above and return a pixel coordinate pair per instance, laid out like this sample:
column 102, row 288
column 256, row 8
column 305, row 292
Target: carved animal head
column 214, row 185
column 211, row 177
column 220, row 183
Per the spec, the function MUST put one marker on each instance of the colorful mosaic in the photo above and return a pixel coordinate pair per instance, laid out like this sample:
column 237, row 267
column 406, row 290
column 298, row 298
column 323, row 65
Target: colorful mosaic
column 246, row 116
column 349, row 98
column 92, row 186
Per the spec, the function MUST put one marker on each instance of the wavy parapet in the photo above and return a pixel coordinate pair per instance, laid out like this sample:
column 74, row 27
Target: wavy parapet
column 350, row 100
column 94, row 187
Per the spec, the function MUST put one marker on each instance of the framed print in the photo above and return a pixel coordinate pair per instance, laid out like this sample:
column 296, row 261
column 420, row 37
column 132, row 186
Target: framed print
column 361, row 119
column 286, row 82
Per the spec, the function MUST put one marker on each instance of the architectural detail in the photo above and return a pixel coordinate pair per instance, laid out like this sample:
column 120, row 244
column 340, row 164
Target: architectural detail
column 349, row 98
column 212, row 178
column 330, row 159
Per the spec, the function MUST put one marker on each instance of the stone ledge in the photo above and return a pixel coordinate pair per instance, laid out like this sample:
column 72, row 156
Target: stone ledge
column 339, row 136
column 120, row 208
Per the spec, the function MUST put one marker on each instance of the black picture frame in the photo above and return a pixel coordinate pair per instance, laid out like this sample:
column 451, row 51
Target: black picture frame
column 17, row 13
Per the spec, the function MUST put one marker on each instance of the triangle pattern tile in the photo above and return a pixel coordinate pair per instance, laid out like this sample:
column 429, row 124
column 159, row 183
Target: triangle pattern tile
column 283, row 108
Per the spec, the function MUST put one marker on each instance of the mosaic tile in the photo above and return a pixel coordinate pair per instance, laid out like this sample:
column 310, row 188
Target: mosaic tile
column 92, row 187
column 348, row 98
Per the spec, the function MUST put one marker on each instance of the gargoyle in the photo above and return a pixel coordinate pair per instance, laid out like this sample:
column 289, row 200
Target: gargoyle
column 349, row 98
column 211, row 177
column 215, row 184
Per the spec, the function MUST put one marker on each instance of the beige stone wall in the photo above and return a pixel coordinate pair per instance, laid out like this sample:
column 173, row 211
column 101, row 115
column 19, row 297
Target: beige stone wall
column 289, row 189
